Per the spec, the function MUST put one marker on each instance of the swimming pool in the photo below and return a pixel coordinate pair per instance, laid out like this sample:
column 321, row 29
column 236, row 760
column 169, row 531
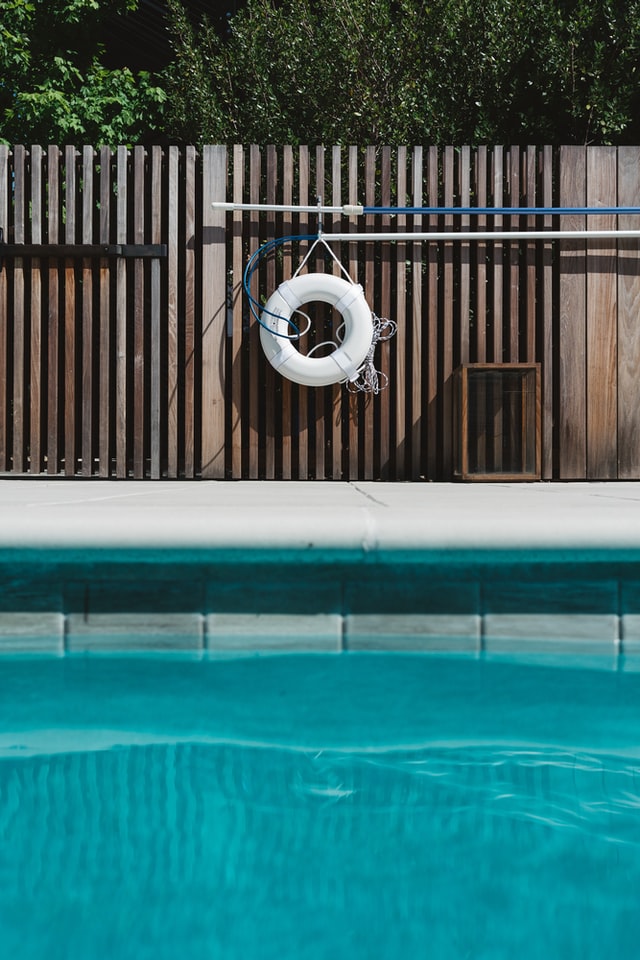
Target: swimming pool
column 313, row 806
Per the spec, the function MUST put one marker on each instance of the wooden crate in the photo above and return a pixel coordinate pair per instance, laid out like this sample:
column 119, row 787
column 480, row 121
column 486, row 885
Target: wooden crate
column 497, row 421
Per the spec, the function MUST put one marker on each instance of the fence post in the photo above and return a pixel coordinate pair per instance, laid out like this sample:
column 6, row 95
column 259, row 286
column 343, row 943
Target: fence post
column 214, row 308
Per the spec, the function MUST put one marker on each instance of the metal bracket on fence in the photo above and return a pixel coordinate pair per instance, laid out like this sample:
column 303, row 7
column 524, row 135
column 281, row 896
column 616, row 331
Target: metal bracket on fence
column 81, row 250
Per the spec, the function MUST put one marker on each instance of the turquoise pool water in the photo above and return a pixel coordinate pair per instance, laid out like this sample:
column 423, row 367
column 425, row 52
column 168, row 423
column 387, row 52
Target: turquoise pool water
column 314, row 807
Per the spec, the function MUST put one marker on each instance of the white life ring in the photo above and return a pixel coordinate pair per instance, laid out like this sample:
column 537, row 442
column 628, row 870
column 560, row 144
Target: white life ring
column 346, row 360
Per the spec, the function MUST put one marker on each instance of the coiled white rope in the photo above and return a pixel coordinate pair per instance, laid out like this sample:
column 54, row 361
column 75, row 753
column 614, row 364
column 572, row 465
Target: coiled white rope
column 371, row 380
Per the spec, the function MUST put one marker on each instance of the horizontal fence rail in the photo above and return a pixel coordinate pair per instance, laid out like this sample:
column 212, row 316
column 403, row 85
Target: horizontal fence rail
column 128, row 348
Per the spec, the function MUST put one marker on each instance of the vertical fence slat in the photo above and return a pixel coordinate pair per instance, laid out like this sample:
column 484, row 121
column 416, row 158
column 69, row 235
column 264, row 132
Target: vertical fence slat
column 271, row 388
column 572, row 438
column 497, row 257
column 255, row 171
column 304, row 175
column 481, row 258
column 35, row 374
column 190, row 353
column 480, row 345
column 464, row 253
column 531, row 169
column 105, row 328
column 602, row 343
column 500, row 271
column 70, row 345
column 448, row 317
column 628, row 313
column 156, row 409
column 513, row 318
column 546, row 296
column 87, row 314
column 320, row 397
column 19, row 306
column 415, row 357
column 398, row 348
column 373, row 295
column 433, row 322
column 384, row 400
column 4, row 382
column 121, row 316
column 287, row 267
column 173, row 305
column 337, row 407
column 214, row 304
column 352, row 441
column 237, row 300
column 139, row 371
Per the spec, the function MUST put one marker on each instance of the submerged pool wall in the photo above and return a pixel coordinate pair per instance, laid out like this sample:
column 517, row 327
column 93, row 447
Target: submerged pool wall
column 453, row 601
column 217, row 569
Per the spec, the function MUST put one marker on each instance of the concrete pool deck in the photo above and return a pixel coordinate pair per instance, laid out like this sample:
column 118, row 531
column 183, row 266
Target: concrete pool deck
column 357, row 516
column 222, row 567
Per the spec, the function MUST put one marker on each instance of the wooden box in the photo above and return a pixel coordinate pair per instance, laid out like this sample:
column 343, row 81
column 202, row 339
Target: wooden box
column 497, row 421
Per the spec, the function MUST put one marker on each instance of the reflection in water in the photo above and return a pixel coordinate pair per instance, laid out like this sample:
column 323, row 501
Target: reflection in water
column 208, row 847
column 265, row 852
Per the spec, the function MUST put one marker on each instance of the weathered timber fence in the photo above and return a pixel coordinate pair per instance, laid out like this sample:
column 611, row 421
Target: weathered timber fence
column 127, row 349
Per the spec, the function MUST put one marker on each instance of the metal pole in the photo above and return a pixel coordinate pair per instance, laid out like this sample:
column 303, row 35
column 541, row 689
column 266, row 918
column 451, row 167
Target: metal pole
column 499, row 235
column 352, row 210
column 506, row 211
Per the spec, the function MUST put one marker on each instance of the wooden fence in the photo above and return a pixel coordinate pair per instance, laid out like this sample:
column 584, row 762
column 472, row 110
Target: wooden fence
column 127, row 348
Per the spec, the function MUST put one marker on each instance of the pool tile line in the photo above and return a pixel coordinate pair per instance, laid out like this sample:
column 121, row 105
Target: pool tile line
column 59, row 634
column 411, row 615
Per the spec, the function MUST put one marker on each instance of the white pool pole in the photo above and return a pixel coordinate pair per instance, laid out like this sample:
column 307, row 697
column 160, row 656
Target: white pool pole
column 348, row 209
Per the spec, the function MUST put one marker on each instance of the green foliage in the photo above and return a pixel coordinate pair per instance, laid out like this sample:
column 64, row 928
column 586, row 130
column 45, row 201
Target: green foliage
column 409, row 71
column 53, row 88
column 340, row 71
